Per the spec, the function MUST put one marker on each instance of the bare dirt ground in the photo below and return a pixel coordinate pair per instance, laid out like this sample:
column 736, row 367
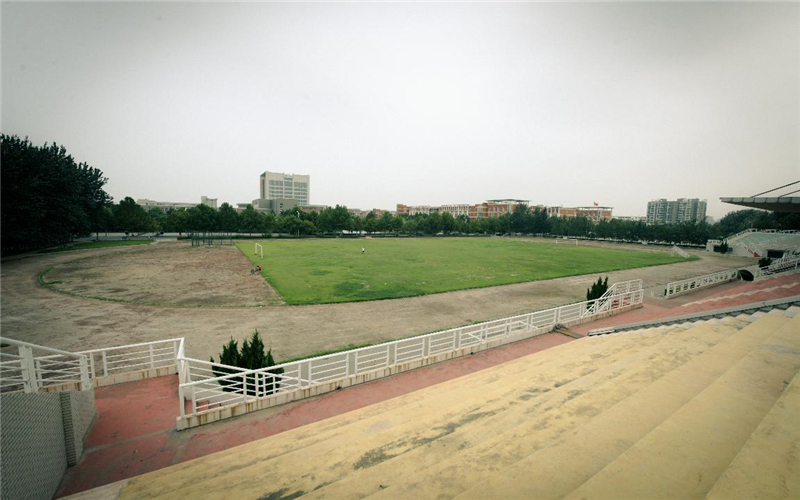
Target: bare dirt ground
column 197, row 287
column 173, row 274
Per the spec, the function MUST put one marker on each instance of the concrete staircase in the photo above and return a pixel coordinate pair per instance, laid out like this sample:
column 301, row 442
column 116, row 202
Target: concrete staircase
column 698, row 410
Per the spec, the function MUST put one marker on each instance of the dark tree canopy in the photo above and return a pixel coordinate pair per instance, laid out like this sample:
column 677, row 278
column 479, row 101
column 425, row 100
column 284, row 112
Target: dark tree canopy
column 47, row 198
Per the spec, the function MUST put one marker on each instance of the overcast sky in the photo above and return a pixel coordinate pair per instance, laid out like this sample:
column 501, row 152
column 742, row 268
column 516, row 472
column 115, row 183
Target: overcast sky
column 416, row 103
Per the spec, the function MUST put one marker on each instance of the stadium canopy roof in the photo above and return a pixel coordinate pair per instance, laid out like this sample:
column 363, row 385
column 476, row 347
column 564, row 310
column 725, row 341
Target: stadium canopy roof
column 781, row 203
column 789, row 204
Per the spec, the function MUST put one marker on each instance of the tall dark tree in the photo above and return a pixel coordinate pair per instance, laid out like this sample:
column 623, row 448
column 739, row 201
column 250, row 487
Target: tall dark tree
column 227, row 218
column 130, row 216
column 47, row 198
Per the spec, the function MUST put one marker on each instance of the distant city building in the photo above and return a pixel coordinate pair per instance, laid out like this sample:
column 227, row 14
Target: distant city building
column 631, row 218
column 275, row 205
column 595, row 213
column 662, row 211
column 275, row 185
column 490, row 208
column 169, row 205
column 379, row 212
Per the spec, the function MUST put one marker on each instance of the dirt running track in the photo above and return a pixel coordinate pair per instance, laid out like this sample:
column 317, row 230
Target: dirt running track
column 175, row 273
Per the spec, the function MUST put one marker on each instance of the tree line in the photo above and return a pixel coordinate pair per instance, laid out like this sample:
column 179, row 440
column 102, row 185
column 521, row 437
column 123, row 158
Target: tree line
column 523, row 220
column 48, row 199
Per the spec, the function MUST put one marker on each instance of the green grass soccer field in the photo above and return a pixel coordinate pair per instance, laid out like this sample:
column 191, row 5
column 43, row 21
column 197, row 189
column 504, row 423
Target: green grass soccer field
column 325, row 271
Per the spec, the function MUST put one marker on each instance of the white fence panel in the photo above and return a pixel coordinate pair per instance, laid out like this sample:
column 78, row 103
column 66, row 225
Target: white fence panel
column 199, row 384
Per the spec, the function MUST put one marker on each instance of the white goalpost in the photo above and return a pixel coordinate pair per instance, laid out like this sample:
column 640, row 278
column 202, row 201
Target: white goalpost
column 259, row 250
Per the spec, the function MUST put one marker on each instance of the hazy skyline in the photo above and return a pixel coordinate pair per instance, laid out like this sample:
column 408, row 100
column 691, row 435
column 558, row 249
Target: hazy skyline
column 416, row 103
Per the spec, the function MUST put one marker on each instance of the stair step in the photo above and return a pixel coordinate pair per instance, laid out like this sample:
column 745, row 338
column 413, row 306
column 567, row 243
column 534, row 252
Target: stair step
column 463, row 459
column 684, row 456
column 768, row 465
column 544, row 463
column 345, row 441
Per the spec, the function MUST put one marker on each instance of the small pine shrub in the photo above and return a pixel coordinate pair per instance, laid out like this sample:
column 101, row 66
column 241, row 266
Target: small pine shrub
column 598, row 289
column 251, row 357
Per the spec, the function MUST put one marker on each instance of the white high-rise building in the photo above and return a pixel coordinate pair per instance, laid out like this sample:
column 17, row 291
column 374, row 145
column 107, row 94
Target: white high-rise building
column 277, row 185
column 681, row 210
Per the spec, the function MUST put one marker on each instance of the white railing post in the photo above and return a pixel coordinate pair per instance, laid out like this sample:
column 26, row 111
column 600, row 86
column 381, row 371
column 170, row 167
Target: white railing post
column 352, row 363
column 181, row 400
column 152, row 359
column 29, row 382
column 86, row 381
column 105, row 364
column 92, row 371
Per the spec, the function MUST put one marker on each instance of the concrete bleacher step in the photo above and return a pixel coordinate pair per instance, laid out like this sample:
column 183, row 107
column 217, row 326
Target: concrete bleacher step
column 767, row 465
column 684, row 456
column 316, row 442
column 560, row 466
column 418, row 460
column 465, row 453
column 543, row 447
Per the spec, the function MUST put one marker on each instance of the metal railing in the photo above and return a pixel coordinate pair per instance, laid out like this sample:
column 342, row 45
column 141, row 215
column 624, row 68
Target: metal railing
column 54, row 368
column 601, row 304
column 751, row 230
column 24, row 372
column 209, row 386
column 688, row 285
column 134, row 357
column 680, row 251
column 786, row 264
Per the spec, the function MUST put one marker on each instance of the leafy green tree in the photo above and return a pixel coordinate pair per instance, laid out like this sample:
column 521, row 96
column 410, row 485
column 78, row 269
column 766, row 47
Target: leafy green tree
column 227, row 218
column 447, row 222
column 47, row 198
column 130, row 216
column 202, row 218
column 158, row 216
column 178, row 221
column 251, row 221
column 371, row 222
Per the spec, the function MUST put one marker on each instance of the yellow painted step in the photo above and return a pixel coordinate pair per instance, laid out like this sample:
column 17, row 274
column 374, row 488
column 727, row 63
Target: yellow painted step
column 685, row 455
column 547, row 429
column 451, row 463
column 768, row 466
column 554, row 471
column 211, row 475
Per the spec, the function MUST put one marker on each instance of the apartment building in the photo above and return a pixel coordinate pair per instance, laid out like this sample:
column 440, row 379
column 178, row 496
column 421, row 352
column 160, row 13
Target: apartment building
column 663, row 211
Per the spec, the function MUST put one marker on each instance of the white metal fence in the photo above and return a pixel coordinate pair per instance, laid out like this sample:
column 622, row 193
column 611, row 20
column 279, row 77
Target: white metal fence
column 35, row 367
column 23, row 371
column 680, row 251
column 208, row 386
column 786, row 264
column 688, row 285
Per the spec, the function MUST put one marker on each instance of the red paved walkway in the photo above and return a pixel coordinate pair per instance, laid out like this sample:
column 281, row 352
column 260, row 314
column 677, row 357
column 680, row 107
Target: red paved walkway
column 134, row 431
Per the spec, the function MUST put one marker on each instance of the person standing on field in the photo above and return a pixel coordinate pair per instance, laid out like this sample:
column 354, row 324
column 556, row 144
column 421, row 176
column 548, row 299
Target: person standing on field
column 363, row 250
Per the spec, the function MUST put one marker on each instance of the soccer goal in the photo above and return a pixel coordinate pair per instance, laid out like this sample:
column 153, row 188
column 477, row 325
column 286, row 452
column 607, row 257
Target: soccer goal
column 259, row 250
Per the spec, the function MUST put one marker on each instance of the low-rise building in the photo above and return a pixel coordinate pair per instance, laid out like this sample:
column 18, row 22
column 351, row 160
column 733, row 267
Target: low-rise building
column 170, row 205
column 595, row 213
